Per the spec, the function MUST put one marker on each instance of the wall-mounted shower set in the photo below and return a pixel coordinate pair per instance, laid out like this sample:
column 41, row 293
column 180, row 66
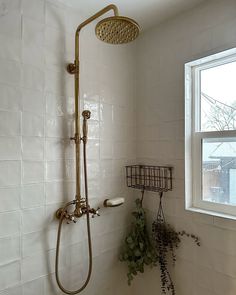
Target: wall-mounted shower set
column 113, row 30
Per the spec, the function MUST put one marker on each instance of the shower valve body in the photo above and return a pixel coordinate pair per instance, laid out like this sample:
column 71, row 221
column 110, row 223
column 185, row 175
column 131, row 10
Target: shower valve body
column 77, row 213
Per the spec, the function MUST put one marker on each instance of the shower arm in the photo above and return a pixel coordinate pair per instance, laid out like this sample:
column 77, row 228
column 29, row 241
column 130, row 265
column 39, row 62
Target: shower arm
column 73, row 68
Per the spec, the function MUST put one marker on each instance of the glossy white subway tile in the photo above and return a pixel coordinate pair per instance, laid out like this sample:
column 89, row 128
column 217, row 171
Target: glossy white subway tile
column 57, row 148
column 10, row 199
column 40, row 241
column 55, row 42
column 73, row 18
column 33, row 148
column 59, row 127
column 39, row 265
column 33, row 77
column 89, row 90
column 10, row 6
column 59, row 191
column 33, row 219
column 34, row 267
column 77, row 233
column 106, row 131
column 30, row 287
column 33, row 172
column 75, row 254
column 32, row 124
column 223, row 263
column 93, row 169
column 33, row 32
column 93, row 149
column 9, row 249
column 10, row 21
column 32, row 195
column 106, row 167
column 56, row 58
column 55, row 81
column 10, row 173
column 10, row 148
column 33, row 55
column 60, row 170
column 59, row 105
column 10, row 123
column 106, row 150
column 34, row 9
column 10, row 72
column 223, row 283
column 10, row 224
column 13, row 291
column 55, row 16
column 10, row 48
column 93, row 130
column 106, row 113
column 9, row 275
column 10, row 98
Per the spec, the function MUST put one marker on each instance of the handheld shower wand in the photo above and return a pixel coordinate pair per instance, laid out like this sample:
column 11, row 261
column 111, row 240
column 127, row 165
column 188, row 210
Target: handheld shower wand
column 114, row 30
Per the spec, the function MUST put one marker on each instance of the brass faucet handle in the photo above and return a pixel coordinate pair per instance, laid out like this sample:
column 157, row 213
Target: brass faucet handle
column 95, row 212
column 72, row 218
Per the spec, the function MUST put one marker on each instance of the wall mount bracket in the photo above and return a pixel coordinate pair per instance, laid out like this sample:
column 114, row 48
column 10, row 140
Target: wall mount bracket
column 72, row 68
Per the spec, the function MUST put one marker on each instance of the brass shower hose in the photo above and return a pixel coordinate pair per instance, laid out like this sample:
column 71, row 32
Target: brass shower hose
column 88, row 231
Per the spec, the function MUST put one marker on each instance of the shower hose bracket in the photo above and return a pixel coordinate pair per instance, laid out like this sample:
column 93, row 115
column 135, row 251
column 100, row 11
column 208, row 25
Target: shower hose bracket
column 76, row 138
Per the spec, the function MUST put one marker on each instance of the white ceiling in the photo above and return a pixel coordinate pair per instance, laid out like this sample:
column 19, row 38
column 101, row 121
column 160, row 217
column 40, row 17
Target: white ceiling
column 146, row 12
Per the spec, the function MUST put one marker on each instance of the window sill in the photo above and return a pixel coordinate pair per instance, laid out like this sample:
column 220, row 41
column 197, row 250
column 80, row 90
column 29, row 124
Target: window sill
column 212, row 213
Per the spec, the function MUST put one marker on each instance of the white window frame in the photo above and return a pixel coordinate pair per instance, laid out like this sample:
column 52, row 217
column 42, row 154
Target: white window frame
column 194, row 137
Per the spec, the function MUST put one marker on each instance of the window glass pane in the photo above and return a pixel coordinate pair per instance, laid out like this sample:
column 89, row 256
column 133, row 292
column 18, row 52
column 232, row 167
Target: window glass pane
column 219, row 170
column 218, row 98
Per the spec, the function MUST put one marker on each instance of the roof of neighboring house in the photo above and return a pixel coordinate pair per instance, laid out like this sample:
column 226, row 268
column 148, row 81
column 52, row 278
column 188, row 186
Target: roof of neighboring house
column 214, row 151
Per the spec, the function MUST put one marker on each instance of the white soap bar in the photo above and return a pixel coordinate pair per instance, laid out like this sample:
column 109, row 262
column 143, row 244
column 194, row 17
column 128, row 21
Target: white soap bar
column 114, row 202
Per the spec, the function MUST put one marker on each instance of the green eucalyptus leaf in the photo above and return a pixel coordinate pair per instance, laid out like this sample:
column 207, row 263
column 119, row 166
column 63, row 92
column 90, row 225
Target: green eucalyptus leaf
column 137, row 250
column 129, row 240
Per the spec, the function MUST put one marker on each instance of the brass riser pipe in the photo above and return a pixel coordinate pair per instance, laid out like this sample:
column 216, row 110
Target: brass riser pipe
column 80, row 207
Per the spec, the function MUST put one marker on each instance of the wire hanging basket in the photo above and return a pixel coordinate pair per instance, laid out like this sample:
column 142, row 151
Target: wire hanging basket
column 149, row 178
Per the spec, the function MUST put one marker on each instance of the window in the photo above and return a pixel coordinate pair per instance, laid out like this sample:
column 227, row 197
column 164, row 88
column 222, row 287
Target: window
column 210, row 134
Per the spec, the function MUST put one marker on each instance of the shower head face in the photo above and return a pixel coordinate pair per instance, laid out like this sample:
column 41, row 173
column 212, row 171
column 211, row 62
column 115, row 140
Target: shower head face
column 117, row 30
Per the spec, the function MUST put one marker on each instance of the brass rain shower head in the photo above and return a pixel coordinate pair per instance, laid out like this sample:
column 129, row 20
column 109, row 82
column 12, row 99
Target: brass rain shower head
column 117, row 30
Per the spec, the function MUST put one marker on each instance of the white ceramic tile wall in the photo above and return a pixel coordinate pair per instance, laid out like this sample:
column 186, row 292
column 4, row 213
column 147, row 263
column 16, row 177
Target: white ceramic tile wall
column 161, row 54
column 37, row 157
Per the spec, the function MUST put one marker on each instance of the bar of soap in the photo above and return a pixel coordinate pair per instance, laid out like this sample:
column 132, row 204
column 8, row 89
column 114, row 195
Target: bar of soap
column 114, row 202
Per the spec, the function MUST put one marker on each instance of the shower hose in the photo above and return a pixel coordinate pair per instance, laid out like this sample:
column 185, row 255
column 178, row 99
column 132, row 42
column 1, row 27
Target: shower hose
column 88, row 232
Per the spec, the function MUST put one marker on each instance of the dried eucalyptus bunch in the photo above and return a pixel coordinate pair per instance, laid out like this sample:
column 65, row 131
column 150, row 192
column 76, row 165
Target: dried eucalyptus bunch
column 138, row 250
column 166, row 241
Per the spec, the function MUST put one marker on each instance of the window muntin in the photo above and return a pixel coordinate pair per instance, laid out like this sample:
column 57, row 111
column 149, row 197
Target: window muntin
column 210, row 96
